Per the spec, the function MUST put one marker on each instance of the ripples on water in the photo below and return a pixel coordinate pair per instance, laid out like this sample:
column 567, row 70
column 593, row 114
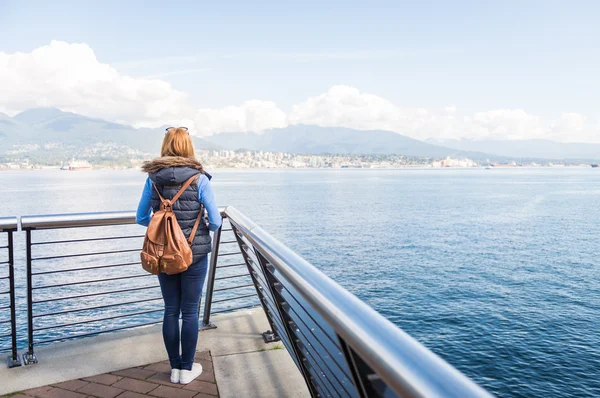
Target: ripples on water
column 494, row 270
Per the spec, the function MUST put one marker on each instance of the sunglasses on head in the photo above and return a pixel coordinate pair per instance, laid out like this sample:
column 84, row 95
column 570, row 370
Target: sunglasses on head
column 173, row 128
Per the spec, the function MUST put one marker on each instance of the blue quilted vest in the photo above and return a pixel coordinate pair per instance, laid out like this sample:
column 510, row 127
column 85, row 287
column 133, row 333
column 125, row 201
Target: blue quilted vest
column 168, row 181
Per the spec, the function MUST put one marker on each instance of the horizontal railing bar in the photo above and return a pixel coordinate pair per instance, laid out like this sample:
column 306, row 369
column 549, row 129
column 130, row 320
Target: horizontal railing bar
column 228, row 241
column 235, row 298
column 96, row 333
column 86, row 240
column 387, row 349
column 83, row 268
column 5, row 307
column 95, row 294
column 231, row 288
column 3, row 262
column 6, row 292
column 93, row 308
column 78, row 220
column 231, row 265
column 321, row 376
column 231, row 277
column 5, row 335
column 85, row 254
column 4, row 277
column 6, row 247
column 8, row 223
column 4, row 321
column 335, row 343
column 323, row 348
column 73, row 220
column 228, row 254
column 97, row 320
column 236, row 308
column 225, row 230
column 94, row 281
column 324, row 377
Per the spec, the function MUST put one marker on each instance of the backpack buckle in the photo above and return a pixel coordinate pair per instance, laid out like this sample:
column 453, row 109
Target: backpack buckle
column 167, row 205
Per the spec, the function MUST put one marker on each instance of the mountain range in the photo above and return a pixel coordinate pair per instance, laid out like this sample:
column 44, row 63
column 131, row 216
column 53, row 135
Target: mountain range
column 52, row 132
column 543, row 149
column 337, row 140
column 58, row 130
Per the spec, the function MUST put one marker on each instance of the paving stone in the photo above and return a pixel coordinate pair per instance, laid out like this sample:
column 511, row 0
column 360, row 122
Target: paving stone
column 60, row 393
column 34, row 392
column 159, row 367
column 206, row 365
column 203, row 355
column 131, row 394
column 135, row 385
column 163, row 378
column 207, row 376
column 135, row 373
column 201, row 386
column 100, row 390
column 71, row 385
column 16, row 396
column 106, row 379
column 170, row 392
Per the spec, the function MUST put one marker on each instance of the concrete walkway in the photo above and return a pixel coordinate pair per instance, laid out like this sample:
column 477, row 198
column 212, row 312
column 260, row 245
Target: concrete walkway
column 244, row 366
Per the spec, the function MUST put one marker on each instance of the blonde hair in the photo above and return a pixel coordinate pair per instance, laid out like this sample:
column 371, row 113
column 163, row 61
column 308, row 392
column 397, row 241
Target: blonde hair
column 177, row 142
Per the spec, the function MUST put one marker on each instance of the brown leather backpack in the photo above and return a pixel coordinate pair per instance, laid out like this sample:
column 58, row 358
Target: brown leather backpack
column 165, row 247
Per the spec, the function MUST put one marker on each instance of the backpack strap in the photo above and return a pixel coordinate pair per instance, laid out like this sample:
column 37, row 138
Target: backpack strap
column 183, row 188
column 177, row 195
column 196, row 224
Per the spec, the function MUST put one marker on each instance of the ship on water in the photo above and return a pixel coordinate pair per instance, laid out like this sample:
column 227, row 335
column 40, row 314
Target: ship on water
column 594, row 165
column 77, row 165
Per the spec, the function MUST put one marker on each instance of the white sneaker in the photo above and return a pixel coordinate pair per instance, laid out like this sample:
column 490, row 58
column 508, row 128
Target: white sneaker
column 187, row 376
column 175, row 375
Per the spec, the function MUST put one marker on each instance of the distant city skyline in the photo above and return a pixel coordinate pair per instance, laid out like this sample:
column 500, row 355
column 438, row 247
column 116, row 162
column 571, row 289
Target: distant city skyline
column 441, row 71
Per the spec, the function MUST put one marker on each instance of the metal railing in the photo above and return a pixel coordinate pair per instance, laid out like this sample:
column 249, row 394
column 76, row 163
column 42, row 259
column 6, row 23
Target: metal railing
column 341, row 346
column 67, row 285
column 8, row 225
column 235, row 289
column 75, row 273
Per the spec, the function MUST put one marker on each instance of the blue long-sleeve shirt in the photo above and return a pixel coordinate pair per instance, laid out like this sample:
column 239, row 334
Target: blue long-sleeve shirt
column 205, row 195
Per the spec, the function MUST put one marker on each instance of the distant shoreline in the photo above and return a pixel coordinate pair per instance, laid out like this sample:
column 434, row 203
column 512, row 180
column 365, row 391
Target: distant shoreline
column 94, row 169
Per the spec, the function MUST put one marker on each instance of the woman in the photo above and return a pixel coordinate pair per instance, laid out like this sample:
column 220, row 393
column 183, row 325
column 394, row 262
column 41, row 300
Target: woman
column 181, row 292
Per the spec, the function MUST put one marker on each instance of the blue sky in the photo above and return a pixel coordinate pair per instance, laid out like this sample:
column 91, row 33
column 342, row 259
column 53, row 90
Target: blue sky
column 540, row 57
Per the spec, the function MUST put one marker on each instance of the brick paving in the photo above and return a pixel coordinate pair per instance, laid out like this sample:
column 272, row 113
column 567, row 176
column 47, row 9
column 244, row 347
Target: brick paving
column 140, row 382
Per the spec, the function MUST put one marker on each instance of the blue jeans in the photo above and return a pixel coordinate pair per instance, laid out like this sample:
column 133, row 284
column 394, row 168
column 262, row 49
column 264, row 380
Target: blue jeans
column 181, row 294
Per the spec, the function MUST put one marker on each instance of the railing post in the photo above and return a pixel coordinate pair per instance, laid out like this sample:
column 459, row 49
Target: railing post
column 210, row 284
column 29, row 357
column 13, row 360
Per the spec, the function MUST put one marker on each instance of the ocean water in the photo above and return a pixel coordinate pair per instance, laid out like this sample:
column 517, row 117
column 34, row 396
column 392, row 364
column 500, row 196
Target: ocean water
column 497, row 271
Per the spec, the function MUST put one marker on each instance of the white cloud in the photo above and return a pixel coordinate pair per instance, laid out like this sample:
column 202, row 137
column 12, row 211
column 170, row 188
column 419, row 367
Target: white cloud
column 252, row 115
column 512, row 124
column 347, row 107
column 69, row 77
